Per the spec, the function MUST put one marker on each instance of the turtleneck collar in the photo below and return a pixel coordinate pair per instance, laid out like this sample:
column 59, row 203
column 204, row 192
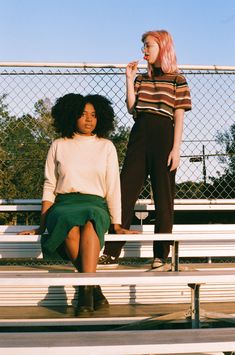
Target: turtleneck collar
column 79, row 136
column 158, row 71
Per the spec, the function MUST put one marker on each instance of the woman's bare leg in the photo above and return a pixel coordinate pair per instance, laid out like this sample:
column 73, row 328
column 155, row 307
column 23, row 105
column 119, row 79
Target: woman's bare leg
column 89, row 248
column 83, row 247
column 72, row 242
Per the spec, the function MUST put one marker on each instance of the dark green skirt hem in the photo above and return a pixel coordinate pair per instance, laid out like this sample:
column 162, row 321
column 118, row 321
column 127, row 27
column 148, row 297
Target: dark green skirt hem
column 68, row 211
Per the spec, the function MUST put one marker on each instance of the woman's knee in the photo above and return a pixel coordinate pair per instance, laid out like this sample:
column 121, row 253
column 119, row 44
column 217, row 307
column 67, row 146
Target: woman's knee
column 88, row 226
column 74, row 233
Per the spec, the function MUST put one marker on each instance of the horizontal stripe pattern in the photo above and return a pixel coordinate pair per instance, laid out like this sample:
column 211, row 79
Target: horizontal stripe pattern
column 162, row 94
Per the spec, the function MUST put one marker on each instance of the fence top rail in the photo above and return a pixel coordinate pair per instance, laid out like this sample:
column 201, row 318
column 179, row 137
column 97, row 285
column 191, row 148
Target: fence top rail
column 108, row 65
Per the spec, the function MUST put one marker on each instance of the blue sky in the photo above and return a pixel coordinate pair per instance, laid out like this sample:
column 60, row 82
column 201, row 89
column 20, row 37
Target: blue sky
column 109, row 31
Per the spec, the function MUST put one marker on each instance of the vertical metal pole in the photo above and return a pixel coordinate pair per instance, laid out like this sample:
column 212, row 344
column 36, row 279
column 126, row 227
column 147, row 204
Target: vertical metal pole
column 195, row 305
column 203, row 164
column 175, row 256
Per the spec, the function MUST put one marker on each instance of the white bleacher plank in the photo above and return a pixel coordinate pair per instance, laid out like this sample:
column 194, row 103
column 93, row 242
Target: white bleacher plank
column 117, row 278
column 143, row 228
column 15, row 228
column 199, row 201
column 19, row 238
column 177, row 341
column 147, row 236
column 141, row 205
column 230, row 235
column 20, row 201
column 191, row 205
column 190, row 201
column 19, row 208
column 215, row 242
column 187, row 250
column 47, row 296
column 191, row 228
column 52, row 322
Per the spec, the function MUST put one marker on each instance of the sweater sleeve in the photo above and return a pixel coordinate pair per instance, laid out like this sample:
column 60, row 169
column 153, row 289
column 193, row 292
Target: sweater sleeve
column 183, row 98
column 50, row 175
column 113, row 195
column 137, row 83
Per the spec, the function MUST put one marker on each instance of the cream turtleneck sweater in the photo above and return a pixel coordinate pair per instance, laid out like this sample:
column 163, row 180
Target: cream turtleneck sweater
column 85, row 164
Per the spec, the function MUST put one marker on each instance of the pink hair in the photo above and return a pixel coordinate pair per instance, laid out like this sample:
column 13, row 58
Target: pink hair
column 167, row 56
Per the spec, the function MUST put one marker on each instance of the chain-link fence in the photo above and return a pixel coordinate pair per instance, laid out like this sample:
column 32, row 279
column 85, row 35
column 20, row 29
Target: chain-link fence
column 27, row 92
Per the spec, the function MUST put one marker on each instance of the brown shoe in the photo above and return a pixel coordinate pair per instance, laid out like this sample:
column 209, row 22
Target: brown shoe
column 100, row 301
column 85, row 301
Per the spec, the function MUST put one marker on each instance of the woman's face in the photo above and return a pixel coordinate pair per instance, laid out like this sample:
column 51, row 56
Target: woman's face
column 151, row 51
column 87, row 122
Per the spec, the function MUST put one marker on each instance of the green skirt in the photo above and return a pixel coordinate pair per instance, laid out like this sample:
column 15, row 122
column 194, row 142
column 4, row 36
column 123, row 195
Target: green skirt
column 68, row 211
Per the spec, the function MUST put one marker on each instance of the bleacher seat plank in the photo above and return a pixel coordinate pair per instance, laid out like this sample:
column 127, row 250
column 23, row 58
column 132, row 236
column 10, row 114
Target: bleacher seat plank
column 149, row 228
column 177, row 341
column 189, row 248
column 180, row 236
column 191, row 205
column 61, row 322
column 61, row 296
column 141, row 205
column 20, row 208
column 116, row 278
column 192, row 243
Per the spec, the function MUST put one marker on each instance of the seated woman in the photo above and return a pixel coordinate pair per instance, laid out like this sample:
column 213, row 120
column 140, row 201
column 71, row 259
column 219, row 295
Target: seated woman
column 81, row 193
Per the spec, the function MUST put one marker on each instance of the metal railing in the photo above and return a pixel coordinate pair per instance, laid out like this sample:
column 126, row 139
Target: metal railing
column 28, row 90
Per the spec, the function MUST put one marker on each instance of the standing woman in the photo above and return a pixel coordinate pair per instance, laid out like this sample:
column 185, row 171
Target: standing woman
column 81, row 194
column 157, row 100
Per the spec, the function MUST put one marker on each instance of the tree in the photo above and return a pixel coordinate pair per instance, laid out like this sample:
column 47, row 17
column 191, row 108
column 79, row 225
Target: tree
column 224, row 185
column 227, row 140
column 120, row 138
column 25, row 142
column 191, row 189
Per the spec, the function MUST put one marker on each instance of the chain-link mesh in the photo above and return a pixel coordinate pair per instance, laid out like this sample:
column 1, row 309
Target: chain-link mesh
column 27, row 93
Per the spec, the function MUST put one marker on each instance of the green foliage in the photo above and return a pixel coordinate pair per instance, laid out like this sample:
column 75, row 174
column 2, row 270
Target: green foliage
column 24, row 145
column 223, row 186
column 192, row 190
column 227, row 140
column 120, row 139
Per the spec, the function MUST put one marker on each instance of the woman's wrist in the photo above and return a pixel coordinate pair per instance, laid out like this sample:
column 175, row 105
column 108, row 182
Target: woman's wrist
column 130, row 78
column 115, row 227
column 176, row 148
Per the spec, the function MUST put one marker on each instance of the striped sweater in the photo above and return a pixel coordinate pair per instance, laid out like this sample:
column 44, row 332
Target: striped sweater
column 162, row 94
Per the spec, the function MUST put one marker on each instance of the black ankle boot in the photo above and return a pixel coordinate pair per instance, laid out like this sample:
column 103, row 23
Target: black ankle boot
column 85, row 300
column 100, row 301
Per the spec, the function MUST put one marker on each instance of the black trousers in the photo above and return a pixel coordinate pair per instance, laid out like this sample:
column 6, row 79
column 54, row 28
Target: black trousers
column 150, row 142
